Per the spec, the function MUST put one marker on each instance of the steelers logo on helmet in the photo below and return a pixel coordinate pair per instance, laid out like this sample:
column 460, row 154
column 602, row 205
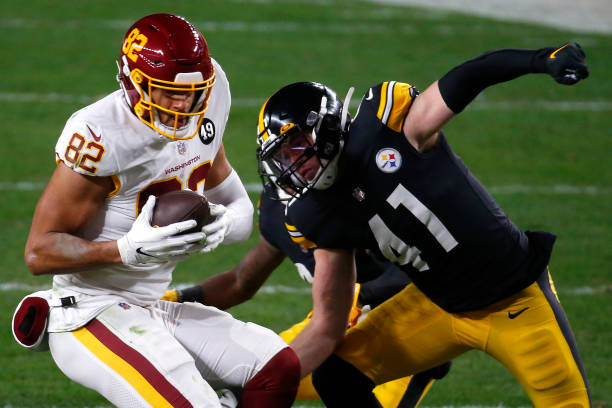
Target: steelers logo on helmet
column 155, row 65
column 388, row 160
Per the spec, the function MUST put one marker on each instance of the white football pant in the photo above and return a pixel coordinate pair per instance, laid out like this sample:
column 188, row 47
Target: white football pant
column 167, row 354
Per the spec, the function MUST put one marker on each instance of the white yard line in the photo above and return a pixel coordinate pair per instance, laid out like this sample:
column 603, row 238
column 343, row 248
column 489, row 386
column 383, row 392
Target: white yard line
column 21, row 186
column 561, row 189
column 219, row 26
column 284, row 289
column 591, row 16
column 478, row 104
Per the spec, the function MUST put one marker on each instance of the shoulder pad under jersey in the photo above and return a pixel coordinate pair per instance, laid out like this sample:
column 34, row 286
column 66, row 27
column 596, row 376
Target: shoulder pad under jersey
column 391, row 102
column 82, row 148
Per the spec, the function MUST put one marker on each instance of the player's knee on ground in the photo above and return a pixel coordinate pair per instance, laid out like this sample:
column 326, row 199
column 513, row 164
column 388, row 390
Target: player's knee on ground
column 275, row 385
column 340, row 384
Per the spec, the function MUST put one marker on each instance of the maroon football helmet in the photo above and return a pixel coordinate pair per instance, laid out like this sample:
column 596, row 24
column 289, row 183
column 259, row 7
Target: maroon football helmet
column 165, row 51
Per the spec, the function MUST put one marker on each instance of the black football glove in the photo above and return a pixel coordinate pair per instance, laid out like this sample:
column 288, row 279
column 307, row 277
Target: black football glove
column 190, row 294
column 566, row 64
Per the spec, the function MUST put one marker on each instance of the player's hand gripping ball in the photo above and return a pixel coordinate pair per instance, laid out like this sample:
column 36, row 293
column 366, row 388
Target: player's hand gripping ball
column 182, row 205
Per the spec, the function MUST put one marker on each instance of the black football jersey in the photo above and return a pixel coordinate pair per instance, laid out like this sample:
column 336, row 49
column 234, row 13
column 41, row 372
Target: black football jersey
column 272, row 227
column 423, row 211
column 380, row 278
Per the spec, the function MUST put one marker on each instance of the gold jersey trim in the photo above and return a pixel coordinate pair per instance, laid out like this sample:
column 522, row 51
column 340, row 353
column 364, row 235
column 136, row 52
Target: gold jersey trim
column 395, row 101
column 299, row 238
column 117, row 184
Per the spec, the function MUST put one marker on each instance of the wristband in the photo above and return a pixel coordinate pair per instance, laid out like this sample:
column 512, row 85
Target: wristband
column 191, row 294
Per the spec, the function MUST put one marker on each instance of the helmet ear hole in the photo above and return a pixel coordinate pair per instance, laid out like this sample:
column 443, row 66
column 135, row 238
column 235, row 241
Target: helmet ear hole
column 312, row 117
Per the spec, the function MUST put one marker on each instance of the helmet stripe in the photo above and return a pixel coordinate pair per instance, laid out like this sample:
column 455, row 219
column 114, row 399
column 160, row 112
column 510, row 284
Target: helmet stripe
column 261, row 125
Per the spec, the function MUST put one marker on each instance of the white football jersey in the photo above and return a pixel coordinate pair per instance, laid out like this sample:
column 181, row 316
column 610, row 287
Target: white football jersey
column 107, row 139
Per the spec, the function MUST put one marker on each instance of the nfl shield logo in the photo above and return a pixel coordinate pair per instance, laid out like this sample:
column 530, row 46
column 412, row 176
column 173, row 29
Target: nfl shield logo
column 388, row 160
column 182, row 147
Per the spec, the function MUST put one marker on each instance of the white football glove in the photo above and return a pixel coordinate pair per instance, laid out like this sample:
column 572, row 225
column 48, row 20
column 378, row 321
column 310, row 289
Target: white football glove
column 146, row 244
column 217, row 230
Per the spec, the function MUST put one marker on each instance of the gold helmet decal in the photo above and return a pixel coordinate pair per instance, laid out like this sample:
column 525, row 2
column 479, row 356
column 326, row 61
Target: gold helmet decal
column 286, row 128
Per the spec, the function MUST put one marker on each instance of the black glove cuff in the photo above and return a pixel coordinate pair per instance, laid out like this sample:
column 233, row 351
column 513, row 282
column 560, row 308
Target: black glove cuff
column 191, row 294
column 538, row 62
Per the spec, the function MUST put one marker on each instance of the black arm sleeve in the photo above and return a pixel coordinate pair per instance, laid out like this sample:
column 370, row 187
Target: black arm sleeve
column 464, row 82
column 190, row 294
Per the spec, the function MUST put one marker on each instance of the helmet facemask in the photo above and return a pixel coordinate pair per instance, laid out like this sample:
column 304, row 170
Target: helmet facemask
column 148, row 111
column 304, row 157
column 285, row 161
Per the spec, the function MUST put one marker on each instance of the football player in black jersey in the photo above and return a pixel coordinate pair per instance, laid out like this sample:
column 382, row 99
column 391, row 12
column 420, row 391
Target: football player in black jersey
column 388, row 181
column 378, row 280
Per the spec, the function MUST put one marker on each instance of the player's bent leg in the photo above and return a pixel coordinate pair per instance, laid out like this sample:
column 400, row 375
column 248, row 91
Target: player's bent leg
column 532, row 337
column 395, row 340
column 246, row 350
column 276, row 384
column 408, row 392
column 417, row 386
column 135, row 369
column 340, row 384
column 391, row 393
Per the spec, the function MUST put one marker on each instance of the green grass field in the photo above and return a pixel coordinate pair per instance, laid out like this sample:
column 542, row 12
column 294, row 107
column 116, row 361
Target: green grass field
column 542, row 148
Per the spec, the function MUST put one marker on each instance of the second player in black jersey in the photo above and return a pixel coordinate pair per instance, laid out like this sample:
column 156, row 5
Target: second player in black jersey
column 422, row 210
column 379, row 280
column 387, row 181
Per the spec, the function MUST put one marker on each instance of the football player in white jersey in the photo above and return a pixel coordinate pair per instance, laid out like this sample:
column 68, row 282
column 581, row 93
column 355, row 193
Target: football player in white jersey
column 107, row 330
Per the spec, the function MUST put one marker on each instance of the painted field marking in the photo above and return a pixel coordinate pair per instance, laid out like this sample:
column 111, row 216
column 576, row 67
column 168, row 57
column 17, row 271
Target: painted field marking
column 220, row 26
column 560, row 189
column 284, row 289
column 254, row 102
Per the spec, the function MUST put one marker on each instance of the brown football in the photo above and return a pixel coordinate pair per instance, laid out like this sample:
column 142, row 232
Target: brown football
column 181, row 205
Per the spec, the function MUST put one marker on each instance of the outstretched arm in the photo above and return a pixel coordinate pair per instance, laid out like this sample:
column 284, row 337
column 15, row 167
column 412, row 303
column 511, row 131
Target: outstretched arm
column 237, row 285
column 332, row 295
column 455, row 90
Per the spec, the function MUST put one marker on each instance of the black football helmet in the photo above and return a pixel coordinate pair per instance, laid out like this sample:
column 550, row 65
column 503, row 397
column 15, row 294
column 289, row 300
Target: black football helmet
column 300, row 132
